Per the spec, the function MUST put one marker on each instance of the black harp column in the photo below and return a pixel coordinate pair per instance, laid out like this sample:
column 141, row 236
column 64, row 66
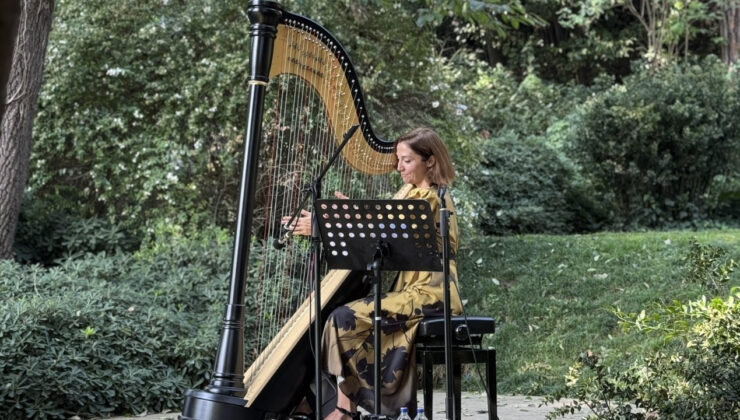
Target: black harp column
column 223, row 397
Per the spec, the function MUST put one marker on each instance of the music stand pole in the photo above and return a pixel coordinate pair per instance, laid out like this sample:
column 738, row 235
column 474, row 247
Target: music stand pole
column 381, row 251
column 444, row 230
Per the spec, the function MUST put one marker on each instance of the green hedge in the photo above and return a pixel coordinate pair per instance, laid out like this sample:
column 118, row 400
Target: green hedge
column 655, row 144
column 110, row 334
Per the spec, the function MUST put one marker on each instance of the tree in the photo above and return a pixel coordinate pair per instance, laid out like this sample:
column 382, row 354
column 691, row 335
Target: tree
column 9, row 14
column 16, row 124
column 729, row 28
column 669, row 25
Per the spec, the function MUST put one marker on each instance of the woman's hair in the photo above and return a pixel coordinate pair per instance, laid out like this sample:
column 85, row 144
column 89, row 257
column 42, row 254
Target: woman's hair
column 426, row 143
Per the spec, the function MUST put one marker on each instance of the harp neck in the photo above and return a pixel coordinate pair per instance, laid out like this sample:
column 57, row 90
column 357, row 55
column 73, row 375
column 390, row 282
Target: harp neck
column 304, row 49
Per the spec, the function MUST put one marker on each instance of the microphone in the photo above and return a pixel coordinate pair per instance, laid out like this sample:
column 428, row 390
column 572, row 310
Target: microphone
column 279, row 243
column 441, row 193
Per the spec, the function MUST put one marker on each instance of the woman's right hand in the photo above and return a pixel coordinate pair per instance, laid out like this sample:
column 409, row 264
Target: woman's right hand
column 301, row 225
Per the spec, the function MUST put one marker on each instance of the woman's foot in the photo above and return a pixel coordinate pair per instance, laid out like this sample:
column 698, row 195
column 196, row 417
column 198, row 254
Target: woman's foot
column 346, row 409
column 342, row 414
column 337, row 415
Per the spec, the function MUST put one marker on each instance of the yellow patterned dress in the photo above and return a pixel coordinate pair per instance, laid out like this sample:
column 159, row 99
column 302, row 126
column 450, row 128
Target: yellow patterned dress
column 348, row 334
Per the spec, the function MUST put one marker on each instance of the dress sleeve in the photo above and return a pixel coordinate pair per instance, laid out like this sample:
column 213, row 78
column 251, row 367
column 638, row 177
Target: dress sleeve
column 430, row 195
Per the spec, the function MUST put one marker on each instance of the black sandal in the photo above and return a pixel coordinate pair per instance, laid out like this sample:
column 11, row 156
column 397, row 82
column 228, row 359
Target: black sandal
column 354, row 415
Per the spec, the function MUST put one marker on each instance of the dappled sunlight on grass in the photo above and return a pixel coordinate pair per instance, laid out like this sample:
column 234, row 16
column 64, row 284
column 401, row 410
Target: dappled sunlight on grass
column 552, row 296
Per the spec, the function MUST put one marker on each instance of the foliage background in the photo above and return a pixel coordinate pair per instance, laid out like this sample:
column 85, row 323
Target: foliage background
column 565, row 119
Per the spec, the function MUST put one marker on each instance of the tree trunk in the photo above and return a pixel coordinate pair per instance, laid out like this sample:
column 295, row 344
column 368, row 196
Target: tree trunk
column 729, row 28
column 16, row 124
column 10, row 11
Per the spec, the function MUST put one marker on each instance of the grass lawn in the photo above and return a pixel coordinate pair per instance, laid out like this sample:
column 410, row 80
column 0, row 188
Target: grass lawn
column 552, row 295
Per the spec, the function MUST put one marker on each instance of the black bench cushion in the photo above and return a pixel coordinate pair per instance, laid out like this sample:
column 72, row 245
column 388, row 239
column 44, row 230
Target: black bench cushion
column 476, row 325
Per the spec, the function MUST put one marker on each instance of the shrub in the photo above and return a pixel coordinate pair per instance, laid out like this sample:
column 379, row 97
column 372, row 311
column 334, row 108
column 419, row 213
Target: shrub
column 530, row 187
column 512, row 166
column 654, row 145
column 694, row 375
column 107, row 334
column 50, row 229
column 142, row 108
column 724, row 197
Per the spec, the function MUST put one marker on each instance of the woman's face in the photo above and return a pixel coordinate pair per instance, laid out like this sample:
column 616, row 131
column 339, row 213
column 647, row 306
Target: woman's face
column 412, row 167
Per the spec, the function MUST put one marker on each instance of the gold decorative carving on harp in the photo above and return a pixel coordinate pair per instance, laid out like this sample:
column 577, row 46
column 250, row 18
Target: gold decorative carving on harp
column 304, row 96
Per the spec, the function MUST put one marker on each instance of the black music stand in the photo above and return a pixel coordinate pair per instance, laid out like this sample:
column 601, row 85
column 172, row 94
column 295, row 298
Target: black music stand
column 376, row 235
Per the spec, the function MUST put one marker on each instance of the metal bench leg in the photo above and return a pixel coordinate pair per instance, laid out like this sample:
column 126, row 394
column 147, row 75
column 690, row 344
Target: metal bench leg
column 457, row 372
column 428, row 382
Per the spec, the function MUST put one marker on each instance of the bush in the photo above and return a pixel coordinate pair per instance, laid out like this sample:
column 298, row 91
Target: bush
column 654, row 145
column 724, row 197
column 514, row 176
column 530, row 187
column 50, row 229
column 142, row 107
column 106, row 334
column 695, row 374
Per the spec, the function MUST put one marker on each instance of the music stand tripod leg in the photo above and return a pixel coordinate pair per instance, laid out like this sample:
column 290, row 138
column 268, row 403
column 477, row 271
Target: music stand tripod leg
column 381, row 250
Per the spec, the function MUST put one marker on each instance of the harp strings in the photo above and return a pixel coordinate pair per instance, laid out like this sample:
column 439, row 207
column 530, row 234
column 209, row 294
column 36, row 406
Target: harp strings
column 305, row 117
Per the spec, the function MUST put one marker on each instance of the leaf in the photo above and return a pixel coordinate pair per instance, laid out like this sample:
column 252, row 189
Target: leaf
column 476, row 5
column 426, row 17
column 641, row 316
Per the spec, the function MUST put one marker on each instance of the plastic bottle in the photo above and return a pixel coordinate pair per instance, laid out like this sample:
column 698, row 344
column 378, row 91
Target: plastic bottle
column 404, row 414
column 420, row 414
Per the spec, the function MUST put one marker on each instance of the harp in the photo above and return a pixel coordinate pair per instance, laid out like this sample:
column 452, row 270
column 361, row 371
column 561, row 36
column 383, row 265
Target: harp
column 304, row 96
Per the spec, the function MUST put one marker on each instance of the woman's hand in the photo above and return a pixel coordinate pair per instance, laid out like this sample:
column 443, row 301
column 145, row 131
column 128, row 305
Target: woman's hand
column 301, row 225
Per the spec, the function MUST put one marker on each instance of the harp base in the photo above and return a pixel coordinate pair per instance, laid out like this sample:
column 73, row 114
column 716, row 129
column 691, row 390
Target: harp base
column 204, row 405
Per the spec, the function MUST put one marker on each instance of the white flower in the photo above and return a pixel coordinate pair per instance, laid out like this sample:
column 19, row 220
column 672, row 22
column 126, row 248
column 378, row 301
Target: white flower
column 435, row 104
column 117, row 71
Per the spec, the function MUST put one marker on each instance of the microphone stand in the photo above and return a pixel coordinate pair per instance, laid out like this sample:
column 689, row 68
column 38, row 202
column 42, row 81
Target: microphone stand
column 444, row 229
column 315, row 193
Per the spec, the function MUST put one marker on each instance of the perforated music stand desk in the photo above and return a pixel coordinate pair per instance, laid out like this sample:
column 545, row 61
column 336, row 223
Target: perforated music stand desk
column 351, row 229
column 393, row 235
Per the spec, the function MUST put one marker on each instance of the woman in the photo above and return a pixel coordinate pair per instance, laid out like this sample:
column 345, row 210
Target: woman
column 348, row 354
